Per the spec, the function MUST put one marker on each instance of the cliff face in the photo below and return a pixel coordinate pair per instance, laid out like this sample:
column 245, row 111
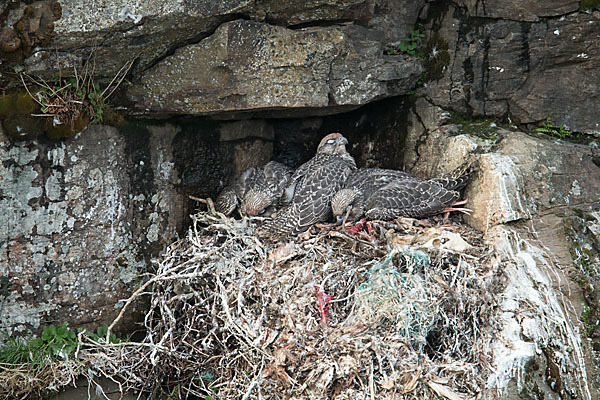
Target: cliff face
column 524, row 62
column 245, row 81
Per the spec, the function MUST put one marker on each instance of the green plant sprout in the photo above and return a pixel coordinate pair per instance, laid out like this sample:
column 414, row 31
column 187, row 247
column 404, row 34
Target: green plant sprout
column 57, row 342
column 549, row 129
column 100, row 335
column 410, row 44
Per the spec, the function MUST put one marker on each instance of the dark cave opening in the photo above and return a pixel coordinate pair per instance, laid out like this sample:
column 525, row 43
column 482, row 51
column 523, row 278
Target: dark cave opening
column 209, row 154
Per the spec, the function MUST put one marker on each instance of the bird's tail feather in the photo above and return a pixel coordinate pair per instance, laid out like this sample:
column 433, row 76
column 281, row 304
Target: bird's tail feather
column 454, row 184
column 459, row 178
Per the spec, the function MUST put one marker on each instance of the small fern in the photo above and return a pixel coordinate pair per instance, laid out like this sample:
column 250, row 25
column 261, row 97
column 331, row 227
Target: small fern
column 549, row 129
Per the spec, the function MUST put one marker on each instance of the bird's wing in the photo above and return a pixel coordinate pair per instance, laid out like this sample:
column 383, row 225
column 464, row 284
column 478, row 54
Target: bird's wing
column 369, row 179
column 409, row 198
column 312, row 197
column 277, row 176
column 459, row 178
column 315, row 195
column 295, row 179
column 452, row 183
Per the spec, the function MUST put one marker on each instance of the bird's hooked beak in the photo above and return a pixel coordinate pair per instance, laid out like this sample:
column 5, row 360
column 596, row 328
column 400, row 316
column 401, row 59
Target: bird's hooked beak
column 341, row 141
column 341, row 219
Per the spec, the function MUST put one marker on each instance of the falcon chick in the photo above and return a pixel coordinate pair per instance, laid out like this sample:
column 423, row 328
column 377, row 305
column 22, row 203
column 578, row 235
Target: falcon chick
column 263, row 196
column 254, row 190
column 386, row 194
column 311, row 187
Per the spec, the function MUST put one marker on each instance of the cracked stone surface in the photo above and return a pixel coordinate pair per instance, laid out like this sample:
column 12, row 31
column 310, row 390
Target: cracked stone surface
column 82, row 219
column 266, row 65
column 536, row 201
column 249, row 66
column 148, row 30
column 521, row 67
column 77, row 230
column 519, row 10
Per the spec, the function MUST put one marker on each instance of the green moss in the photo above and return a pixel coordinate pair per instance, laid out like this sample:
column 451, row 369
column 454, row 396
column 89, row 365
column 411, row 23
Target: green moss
column 23, row 127
column 482, row 128
column 581, row 281
column 17, row 103
column 585, row 253
column 588, row 4
column 588, row 319
column 66, row 130
column 582, row 245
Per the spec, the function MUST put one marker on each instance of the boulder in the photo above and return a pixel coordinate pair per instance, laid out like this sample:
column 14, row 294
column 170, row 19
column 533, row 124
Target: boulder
column 248, row 66
column 314, row 58
column 80, row 222
column 536, row 200
column 53, row 36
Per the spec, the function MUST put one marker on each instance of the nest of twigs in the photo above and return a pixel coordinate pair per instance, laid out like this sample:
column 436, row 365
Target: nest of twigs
column 407, row 313
column 398, row 311
column 22, row 381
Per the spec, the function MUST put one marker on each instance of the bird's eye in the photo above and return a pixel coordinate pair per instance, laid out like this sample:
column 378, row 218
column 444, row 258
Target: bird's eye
column 331, row 141
column 262, row 212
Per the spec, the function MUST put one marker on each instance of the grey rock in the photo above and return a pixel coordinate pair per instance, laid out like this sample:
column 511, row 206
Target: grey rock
column 396, row 19
column 122, row 31
column 148, row 30
column 249, row 66
column 230, row 131
column 82, row 219
column 297, row 12
column 78, row 228
column 536, row 200
column 518, row 10
column 527, row 71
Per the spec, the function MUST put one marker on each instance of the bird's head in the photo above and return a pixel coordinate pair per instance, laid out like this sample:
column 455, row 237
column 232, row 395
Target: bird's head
column 334, row 143
column 342, row 202
column 256, row 202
